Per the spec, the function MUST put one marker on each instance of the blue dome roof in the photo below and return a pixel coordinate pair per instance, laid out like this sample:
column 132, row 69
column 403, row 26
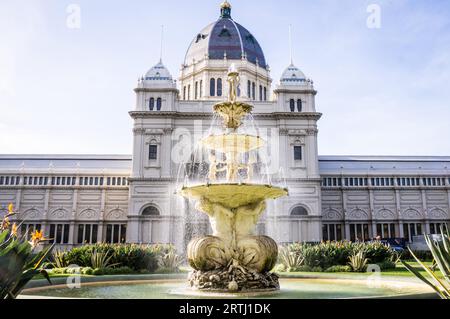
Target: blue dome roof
column 225, row 36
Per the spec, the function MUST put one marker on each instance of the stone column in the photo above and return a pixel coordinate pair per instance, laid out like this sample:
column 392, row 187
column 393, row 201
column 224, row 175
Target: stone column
column 400, row 229
column 72, row 233
column 347, row 230
column 374, row 229
column 427, row 227
column 101, row 226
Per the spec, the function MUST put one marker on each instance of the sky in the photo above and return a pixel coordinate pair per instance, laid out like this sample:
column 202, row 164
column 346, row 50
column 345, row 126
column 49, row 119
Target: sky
column 66, row 84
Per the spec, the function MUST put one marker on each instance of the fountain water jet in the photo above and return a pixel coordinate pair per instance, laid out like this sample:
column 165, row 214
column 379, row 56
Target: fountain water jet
column 233, row 258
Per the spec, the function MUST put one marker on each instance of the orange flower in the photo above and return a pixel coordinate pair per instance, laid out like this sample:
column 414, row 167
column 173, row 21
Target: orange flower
column 37, row 237
column 10, row 208
column 14, row 230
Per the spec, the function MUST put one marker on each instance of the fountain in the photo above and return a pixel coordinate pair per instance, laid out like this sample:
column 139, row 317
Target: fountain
column 233, row 258
column 226, row 179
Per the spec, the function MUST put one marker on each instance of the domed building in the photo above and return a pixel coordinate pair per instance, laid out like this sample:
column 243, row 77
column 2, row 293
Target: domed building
column 78, row 199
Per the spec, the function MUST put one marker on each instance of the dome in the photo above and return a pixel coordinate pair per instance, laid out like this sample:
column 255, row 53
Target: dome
column 292, row 76
column 225, row 36
column 158, row 73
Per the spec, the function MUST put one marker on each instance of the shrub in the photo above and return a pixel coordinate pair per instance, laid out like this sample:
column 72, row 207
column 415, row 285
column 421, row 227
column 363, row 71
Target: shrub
column 19, row 261
column 170, row 261
column 134, row 256
column 101, row 259
column 73, row 270
column 358, row 261
column 289, row 259
column 328, row 254
column 339, row 268
column 98, row 272
column 58, row 271
column 87, row 271
column 58, row 259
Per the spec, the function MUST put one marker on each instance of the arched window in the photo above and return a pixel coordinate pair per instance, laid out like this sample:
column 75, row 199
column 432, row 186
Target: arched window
column 184, row 93
column 260, row 93
column 299, row 105
column 265, row 94
column 299, row 211
column 212, row 87
column 253, row 91
column 201, row 88
column 249, row 89
column 196, row 91
column 292, row 105
column 151, row 211
column 158, row 104
column 189, row 92
column 219, row 87
column 152, row 104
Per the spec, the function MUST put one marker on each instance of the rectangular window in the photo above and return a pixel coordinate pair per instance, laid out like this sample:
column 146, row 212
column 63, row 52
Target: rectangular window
column 87, row 234
column 379, row 230
column 59, row 230
column 325, row 232
column 352, row 232
column 52, row 233
column 332, row 232
column 116, row 234
column 94, row 234
column 297, row 153
column 406, row 232
column 80, row 234
column 338, row 232
column 385, row 231
column 392, row 231
column 153, row 152
column 366, row 232
column 66, row 234
column 419, row 229
column 123, row 233
column 108, row 233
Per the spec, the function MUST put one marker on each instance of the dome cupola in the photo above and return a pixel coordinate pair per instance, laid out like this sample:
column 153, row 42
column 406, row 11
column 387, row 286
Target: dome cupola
column 159, row 74
column 225, row 38
column 293, row 76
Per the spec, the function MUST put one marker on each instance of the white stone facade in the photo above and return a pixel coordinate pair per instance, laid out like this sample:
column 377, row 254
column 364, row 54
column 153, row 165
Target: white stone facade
column 78, row 199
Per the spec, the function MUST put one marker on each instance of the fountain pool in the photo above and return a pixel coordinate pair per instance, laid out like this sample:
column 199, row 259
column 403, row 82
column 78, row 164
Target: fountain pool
column 170, row 287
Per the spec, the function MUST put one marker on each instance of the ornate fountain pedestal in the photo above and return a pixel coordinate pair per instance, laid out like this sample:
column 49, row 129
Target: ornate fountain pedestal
column 233, row 258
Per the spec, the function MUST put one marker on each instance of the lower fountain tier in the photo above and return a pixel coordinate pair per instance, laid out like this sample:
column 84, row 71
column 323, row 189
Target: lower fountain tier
column 234, row 195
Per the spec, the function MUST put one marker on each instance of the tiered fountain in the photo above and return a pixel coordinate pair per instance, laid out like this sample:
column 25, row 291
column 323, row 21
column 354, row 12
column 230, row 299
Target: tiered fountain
column 233, row 258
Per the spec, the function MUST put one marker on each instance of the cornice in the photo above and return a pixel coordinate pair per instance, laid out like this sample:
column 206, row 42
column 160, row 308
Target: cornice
column 292, row 90
column 274, row 115
column 175, row 90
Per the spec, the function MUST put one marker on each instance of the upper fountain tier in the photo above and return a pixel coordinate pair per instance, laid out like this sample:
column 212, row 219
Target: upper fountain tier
column 229, row 164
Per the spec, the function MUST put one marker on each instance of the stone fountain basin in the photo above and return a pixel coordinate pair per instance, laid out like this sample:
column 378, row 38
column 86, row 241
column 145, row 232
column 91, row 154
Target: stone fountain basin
column 234, row 195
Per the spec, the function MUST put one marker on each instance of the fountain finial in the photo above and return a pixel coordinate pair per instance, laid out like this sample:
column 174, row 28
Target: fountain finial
column 233, row 80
